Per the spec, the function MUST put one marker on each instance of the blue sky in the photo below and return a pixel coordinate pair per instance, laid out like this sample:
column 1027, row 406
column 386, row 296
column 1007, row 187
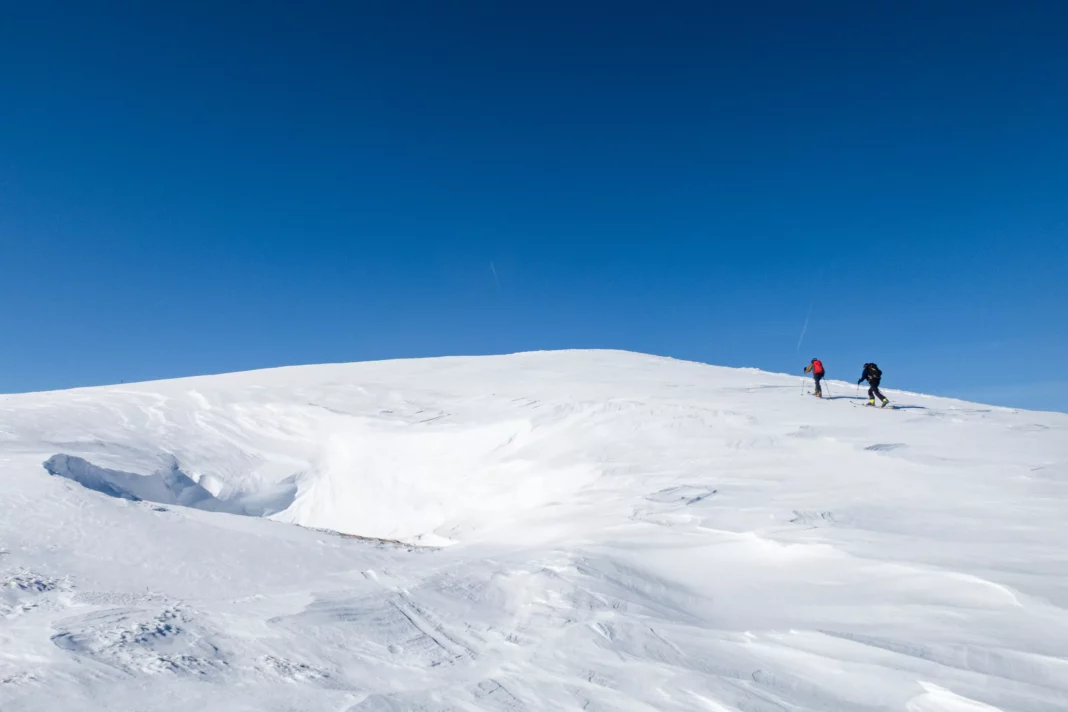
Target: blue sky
column 211, row 187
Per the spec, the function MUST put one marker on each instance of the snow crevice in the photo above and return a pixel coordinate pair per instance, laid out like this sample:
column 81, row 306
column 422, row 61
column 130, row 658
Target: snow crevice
column 168, row 485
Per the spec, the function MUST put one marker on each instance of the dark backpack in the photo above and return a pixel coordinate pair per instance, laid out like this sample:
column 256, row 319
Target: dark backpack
column 874, row 372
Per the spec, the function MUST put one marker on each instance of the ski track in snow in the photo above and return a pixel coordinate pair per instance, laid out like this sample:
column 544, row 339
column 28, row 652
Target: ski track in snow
column 550, row 531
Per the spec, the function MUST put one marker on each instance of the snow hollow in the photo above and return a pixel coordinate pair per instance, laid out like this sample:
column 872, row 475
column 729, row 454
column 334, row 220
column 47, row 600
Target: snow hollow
column 583, row 530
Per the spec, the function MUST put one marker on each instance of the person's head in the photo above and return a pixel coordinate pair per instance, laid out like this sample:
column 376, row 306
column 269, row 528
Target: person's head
column 814, row 360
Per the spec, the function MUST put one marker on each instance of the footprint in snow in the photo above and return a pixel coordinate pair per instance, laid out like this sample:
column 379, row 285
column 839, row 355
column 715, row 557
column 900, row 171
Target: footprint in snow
column 682, row 495
column 884, row 447
column 817, row 519
column 291, row 670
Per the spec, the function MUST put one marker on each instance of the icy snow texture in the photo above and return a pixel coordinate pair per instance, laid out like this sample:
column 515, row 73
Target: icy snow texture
column 576, row 531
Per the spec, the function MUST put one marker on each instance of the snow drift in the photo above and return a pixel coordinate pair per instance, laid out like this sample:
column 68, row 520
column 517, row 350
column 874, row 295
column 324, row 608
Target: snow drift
column 606, row 531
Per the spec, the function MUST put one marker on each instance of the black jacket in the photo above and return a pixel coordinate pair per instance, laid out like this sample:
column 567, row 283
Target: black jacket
column 871, row 374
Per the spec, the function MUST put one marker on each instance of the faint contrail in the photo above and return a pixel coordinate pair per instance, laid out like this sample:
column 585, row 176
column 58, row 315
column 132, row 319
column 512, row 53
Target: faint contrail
column 495, row 279
column 805, row 327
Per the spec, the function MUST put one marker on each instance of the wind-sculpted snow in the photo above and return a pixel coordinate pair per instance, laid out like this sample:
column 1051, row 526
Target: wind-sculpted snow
column 553, row 531
column 169, row 485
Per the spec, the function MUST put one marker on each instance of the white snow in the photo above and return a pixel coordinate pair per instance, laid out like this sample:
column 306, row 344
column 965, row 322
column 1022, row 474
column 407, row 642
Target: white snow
column 577, row 531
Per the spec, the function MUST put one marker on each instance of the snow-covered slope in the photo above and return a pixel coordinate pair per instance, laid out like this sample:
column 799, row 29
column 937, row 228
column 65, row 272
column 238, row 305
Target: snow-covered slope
column 578, row 531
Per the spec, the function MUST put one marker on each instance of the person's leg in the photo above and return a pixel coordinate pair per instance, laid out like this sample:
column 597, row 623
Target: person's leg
column 878, row 393
column 871, row 394
column 819, row 377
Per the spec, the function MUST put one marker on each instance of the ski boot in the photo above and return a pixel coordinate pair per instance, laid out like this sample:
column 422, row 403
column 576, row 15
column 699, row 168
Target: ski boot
column 871, row 403
column 886, row 402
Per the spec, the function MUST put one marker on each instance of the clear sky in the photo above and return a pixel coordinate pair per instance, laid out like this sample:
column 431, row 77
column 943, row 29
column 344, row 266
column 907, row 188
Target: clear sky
column 202, row 187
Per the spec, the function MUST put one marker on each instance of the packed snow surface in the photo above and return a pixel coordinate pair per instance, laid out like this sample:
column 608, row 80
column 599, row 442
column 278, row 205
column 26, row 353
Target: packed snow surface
column 568, row 531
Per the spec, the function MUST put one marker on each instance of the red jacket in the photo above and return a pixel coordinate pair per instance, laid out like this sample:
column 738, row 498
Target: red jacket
column 816, row 367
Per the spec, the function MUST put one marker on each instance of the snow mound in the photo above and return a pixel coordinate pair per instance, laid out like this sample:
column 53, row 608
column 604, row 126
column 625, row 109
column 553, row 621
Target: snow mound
column 332, row 451
column 610, row 531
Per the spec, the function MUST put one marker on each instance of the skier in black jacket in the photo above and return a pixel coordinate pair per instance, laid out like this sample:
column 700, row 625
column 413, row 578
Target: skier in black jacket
column 873, row 376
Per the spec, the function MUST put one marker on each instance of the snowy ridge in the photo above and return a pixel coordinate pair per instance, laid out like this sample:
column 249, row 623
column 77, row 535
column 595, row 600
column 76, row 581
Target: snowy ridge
column 592, row 531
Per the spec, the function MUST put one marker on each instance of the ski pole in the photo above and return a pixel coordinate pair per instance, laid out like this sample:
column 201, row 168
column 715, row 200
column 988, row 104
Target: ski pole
column 826, row 388
column 802, row 385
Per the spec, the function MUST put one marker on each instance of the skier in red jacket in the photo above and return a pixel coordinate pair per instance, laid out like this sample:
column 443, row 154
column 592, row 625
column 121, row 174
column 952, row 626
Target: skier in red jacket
column 816, row 368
